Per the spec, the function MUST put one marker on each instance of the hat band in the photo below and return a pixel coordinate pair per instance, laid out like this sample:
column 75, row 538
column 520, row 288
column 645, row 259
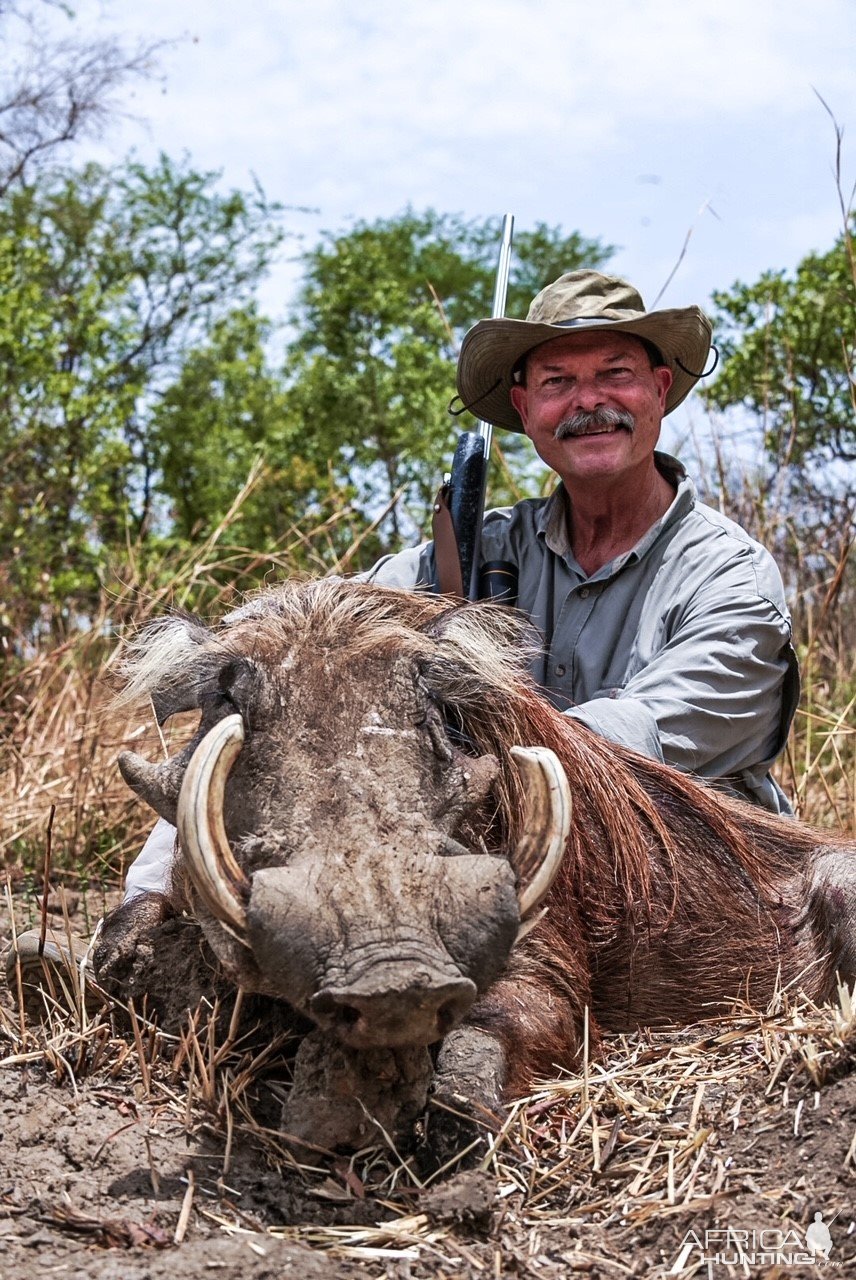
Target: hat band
column 585, row 320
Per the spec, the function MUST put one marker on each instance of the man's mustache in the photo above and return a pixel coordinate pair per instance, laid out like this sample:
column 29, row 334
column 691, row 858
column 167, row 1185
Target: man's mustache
column 587, row 421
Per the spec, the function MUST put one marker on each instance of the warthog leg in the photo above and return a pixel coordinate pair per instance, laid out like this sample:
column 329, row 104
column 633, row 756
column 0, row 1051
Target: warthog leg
column 466, row 1097
column 354, row 1097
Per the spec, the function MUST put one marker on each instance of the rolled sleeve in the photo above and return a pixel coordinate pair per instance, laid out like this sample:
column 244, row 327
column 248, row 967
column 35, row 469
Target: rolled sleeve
column 718, row 696
column 629, row 723
column 151, row 872
column 406, row 570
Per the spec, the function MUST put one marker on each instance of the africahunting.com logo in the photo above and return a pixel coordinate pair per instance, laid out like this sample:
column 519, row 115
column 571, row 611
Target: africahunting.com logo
column 770, row 1247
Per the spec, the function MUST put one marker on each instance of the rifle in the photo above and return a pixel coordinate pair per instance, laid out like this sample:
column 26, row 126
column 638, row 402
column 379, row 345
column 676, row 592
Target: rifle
column 459, row 505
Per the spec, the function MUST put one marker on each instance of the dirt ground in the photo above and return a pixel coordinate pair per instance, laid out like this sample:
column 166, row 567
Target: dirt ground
column 126, row 1155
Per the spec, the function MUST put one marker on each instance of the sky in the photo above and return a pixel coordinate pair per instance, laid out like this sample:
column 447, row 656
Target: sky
column 636, row 123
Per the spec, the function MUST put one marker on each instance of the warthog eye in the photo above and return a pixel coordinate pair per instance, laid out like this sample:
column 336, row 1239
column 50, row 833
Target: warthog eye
column 460, row 739
column 235, row 682
column 226, row 703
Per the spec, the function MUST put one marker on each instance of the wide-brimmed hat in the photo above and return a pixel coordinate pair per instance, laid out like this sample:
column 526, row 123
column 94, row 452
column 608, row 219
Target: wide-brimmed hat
column 578, row 300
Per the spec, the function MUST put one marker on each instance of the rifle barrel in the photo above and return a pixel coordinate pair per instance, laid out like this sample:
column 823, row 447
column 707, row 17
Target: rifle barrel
column 500, row 293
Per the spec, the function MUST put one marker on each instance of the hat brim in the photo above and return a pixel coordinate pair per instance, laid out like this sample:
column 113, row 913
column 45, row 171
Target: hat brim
column 492, row 348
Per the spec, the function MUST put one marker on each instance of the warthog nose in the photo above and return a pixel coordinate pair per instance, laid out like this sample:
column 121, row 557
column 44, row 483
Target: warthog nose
column 371, row 1018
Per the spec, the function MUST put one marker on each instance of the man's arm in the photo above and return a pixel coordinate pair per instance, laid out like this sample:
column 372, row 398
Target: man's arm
column 151, row 870
column 718, row 699
column 413, row 567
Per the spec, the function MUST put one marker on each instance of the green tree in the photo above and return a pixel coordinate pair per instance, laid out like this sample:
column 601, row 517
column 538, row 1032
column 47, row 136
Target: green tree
column 109, row 278
column 789, row 356
column 380, row 317
column 226, row 410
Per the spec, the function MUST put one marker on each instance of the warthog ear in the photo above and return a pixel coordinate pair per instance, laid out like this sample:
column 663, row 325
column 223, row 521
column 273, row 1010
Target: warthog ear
column 165, row 663
column 171, row 701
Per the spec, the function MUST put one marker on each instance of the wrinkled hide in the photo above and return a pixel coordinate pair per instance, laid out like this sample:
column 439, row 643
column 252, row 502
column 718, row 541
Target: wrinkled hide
column 373, row 845
column 363, row 911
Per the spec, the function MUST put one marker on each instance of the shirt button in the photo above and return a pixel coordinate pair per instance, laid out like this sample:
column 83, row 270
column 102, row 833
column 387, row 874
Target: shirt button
column 560, row 669
column 584, row 593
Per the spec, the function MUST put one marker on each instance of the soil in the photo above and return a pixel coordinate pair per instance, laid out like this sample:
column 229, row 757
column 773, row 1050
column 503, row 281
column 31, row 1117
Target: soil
column 115, row 1142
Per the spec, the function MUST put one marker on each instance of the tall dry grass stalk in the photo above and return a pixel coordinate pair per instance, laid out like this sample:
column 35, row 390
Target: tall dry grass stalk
column 811, row 535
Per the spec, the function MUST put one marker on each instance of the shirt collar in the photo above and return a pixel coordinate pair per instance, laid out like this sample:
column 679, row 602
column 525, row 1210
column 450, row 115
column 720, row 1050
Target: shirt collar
column 552, row 522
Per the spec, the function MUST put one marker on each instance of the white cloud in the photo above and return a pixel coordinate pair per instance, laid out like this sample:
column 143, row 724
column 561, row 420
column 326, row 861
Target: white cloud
column 554, row 108
column 485, row 68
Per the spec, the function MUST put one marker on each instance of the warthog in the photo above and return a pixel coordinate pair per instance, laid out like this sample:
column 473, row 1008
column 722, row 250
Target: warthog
column 375, row 827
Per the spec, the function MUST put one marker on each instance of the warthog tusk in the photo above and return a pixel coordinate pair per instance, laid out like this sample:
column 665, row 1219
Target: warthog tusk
column 540, row 849
column 216, row 876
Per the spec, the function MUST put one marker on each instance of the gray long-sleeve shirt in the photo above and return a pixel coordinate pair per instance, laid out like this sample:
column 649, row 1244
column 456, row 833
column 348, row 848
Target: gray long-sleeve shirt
column 680, row 648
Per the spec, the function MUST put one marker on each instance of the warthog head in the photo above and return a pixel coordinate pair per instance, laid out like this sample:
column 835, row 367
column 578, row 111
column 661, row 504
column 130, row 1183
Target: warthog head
column 352, row 844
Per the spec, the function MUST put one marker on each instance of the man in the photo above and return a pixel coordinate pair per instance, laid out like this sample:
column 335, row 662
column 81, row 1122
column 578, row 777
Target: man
column 664, row 624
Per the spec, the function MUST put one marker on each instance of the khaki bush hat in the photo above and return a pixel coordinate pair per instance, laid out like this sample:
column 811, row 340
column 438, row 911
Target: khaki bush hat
column 578, row 300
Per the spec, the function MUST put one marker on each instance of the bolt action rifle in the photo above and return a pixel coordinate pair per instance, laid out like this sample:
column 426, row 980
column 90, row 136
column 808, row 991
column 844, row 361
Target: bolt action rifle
column 459, row 505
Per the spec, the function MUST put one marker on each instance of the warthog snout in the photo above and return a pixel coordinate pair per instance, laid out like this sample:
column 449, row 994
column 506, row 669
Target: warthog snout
column 371, row 964
column 378, row 925
column 393, row 1006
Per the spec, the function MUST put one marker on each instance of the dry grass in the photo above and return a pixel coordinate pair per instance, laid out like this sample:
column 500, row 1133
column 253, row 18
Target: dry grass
column 59, row 740
column 631, row 1144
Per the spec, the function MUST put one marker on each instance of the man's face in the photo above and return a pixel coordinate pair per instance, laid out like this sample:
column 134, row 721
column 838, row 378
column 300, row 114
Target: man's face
column 580, row 374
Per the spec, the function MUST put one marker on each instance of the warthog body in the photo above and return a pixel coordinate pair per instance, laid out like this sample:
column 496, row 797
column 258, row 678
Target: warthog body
column 357, row 840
